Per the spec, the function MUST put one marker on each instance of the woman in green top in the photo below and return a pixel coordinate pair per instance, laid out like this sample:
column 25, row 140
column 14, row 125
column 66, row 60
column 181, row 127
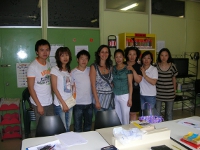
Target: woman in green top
column 122, row 81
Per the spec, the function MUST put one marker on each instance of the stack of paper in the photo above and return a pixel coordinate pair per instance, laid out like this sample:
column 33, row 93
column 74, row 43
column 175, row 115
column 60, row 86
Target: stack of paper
column 71, row 139
column 63, row 141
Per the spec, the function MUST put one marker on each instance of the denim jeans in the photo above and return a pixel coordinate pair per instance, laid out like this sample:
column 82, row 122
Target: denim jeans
column 82, row 117
column 149, row 99
column 168, row 109
column 65, row 117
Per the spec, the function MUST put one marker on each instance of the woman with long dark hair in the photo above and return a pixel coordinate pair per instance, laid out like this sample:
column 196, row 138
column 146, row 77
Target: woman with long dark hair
column 101, row 78
column 166, row 84
column 61, row 85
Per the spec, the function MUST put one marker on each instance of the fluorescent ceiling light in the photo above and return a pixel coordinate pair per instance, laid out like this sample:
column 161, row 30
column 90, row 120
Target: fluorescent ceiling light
column 130, row 6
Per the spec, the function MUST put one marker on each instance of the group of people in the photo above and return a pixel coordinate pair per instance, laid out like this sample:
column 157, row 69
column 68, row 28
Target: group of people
column 125, row 87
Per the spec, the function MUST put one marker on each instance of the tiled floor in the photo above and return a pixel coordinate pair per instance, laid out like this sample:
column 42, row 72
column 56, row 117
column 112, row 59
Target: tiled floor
column 15, row 144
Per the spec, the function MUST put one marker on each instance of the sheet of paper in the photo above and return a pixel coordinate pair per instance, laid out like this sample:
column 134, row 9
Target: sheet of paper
column 53, row 145
column 54, row 48
column 160, row 45
column 71, row 139
column 80, row 47
column 190, row 123
column 52, row 61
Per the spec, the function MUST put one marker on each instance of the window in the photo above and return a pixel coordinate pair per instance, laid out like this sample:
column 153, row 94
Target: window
column 20, row 13
column 138, row 5
column 159, row 7
column 73, row 13
column 169, row 8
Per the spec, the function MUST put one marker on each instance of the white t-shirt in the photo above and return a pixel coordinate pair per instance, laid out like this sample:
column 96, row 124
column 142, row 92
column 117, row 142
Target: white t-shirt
column 83, row 86
column 63, row 84
column 147, row 89
column 42, row 85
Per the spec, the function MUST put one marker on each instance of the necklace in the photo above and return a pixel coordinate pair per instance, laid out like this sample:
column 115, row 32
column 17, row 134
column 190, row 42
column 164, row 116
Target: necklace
column 104, row 70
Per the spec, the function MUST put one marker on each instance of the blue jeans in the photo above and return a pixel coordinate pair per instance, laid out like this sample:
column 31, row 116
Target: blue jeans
column 82, row 117
column 65, row 117
column 168, row 109
column 149, row 99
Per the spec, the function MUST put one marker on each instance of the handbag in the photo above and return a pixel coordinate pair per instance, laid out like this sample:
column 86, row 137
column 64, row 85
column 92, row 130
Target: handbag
column 149, row 117
column 70, row 102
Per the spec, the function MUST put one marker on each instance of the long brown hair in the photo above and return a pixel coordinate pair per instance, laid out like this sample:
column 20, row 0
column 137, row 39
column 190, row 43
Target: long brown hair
column 59, row 52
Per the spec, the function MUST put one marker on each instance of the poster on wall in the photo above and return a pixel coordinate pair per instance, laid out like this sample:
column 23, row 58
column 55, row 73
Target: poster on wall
column 54, row 48
column 21, row 69
column 160, row 45
column 78, row 48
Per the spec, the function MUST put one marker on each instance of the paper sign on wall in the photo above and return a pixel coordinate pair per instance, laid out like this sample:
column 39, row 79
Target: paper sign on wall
column 54, row 48
column 21, row 69
column 160, row 45
column 80, row 47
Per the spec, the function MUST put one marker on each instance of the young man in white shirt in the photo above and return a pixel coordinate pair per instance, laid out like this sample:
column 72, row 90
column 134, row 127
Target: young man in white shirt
column 82, row 111
column 38, row 79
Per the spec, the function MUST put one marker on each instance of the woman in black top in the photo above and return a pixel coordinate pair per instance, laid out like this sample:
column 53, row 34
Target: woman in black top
column 132, row 55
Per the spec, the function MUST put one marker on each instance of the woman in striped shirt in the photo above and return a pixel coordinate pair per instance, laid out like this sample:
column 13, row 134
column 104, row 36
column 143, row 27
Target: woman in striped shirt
column 166, row 83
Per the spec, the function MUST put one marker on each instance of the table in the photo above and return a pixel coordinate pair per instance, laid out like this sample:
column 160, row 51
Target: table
column 95, row 141
column 177, row 132
column 107, row 134
column 103, row 137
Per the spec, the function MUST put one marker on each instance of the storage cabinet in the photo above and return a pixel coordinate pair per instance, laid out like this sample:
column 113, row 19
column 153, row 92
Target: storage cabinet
column 145, row 42
column 10, row 120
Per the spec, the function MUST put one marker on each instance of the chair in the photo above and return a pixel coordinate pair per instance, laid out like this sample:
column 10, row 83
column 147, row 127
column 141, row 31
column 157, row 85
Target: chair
column 197, row 87
column 49, row 125
column 28, row 112
column 105, row 119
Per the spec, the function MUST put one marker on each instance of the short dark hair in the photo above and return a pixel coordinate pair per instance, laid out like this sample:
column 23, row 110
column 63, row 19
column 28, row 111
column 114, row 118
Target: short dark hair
column 145, row 54
column 58, row 53
column 83, row 52
column 41, row 42
column 128, row 49
column 118, row 51
column 97, row 57
column 165, row 50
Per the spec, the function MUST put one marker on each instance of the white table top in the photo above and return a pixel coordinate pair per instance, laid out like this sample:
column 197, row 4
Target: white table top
column 107, row 134
column 177, row 132
column 95, row 141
